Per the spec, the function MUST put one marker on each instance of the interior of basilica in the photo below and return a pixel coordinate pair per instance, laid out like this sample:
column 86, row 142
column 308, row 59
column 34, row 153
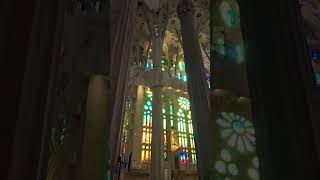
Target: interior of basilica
column 164, row 90
column 159, row 70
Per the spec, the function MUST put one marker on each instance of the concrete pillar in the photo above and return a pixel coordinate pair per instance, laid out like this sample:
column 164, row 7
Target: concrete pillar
column 94, row 152
column 157, row 172
column 197, row 87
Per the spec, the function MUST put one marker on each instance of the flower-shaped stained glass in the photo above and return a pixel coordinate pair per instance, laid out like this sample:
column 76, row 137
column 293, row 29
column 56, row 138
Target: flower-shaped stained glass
column 184, row 103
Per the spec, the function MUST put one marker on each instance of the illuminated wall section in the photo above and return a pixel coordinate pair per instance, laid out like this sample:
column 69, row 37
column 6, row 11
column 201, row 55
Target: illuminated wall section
column 233, row 129
column 228, row 19
column 235, row 142
column 228, row 14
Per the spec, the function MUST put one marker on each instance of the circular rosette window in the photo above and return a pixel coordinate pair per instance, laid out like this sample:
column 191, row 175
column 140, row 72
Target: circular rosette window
column 237, row 131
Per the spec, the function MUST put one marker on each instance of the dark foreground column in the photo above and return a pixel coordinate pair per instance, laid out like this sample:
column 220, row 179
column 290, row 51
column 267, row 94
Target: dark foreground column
column 197, row 87
column 28, row 131
column 282, row 89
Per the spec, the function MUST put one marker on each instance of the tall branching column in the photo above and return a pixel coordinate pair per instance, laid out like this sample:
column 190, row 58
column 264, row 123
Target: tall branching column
column 157, row 122
column 197, row 87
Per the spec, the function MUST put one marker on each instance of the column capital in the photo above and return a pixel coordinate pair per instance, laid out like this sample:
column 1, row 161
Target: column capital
column 185, row 6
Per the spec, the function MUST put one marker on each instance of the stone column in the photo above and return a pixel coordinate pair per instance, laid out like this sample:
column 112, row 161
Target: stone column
column 197, row 87
column 157, row 172
column 285, row 100
column 94, row 150
column 37, row 55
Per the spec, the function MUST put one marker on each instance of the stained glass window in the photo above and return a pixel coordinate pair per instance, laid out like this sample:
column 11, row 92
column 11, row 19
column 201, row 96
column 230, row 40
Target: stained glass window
column 185, row 130
column 171, row 114
column 147, row 127
column 149, row 64
column 182, row 117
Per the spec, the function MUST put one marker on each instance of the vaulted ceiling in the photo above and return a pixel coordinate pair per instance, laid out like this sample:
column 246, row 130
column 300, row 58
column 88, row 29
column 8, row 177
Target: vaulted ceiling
column 165, row 13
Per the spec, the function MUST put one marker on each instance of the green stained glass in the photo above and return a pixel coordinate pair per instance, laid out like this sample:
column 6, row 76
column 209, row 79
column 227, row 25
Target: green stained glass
column 181, row 66
column 171, row 114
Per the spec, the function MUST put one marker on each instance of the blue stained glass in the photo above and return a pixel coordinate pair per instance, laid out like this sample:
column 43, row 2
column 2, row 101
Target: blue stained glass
column 314, row 55
column 185, row 78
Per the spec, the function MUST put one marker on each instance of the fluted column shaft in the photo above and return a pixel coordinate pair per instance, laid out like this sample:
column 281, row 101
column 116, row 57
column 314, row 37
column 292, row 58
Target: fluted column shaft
column 122, row 24
column 197, row 87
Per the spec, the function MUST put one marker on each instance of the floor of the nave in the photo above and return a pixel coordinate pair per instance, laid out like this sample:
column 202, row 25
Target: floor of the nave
column 144, row 175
